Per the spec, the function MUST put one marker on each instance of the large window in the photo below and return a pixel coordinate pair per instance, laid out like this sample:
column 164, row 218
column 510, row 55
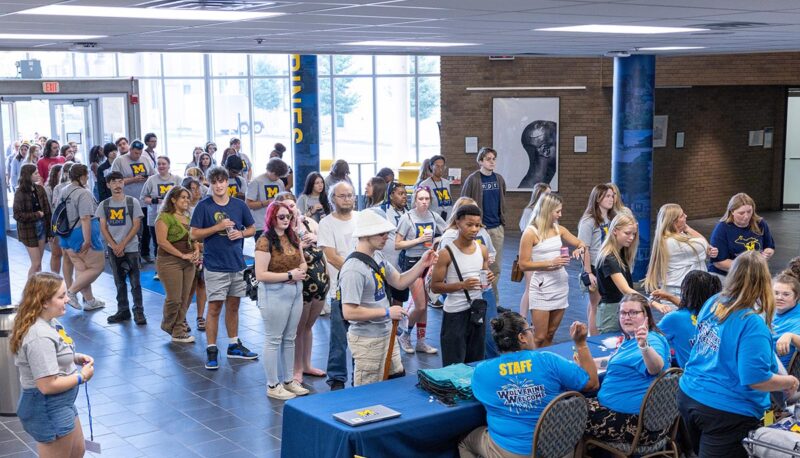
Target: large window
column 375, row 110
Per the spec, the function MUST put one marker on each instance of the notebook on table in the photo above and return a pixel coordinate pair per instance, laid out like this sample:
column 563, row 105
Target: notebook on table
column 366, row 415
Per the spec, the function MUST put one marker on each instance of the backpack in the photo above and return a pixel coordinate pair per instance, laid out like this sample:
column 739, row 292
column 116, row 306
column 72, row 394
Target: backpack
column 60, row 221
column 128, row 203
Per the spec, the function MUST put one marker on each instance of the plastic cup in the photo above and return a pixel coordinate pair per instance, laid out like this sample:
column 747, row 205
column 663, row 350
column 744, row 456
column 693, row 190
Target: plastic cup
column 427, row 232
column 565, row 251
column 485, row 279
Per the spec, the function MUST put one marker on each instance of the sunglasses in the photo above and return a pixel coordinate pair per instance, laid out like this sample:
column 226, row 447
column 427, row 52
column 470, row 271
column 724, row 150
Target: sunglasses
column 283, row 217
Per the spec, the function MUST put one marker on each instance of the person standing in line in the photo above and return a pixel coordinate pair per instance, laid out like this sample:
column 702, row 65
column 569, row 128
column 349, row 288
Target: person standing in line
column 123, row 145
column 14, row 164
column 110, row 153
column 365, row 303
column 33, row 215
column 135, row 169
column 151, row 141
column 340, row 171
column 95, row 159
column 49, row 156
column 725, row 387
column 288, row 177
column 395, row 207
column 424, row 172
column 387, row 174
column 49, row 369
column 281, row 270
column 263, row 189
column 120, row 218
column 442, row 202
column 199, row 289
column 335, row 237
column 375, row 193
column 176, row 260
column 740, row 229
column 615, row 269
column 34, row 154
column 592, row 230
column 65, row 262
column 313, row 202
column 56, row 254
column 488, row 189
column 247, row 165
column 539, row 189
column 155, row 188
column 542, row 250
column 222, row 223
column 211, row 149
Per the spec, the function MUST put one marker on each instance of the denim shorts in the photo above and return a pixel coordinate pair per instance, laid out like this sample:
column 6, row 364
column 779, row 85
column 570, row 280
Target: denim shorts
column 46, row 417
column 41, row 234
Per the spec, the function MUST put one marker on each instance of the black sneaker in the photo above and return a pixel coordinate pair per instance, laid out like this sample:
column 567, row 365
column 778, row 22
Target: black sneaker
column 239, row 351
column 139, row 318
column 211, row 361
column 119, row 317
column 337, row 385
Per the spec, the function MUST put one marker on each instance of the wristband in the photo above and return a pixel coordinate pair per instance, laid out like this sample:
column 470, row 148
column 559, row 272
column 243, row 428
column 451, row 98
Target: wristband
column 646, row 345
column 387, row 313
column 80, row 379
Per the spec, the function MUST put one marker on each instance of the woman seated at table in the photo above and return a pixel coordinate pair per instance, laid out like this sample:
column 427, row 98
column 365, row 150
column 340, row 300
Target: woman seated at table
column 786, row 324
column 680, row 326
column 516, row 387
column 640, row 357
column 738, row 231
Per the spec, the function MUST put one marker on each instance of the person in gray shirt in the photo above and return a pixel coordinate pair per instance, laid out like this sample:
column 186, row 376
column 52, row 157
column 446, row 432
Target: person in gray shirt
column 441, row 197
column 155, row 188
column 135, row 169
column 263, row 189
column 365, row 303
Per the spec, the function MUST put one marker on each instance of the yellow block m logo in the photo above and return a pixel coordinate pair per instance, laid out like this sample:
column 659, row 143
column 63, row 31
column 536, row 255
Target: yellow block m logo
column 138, row 169
column 116, row 214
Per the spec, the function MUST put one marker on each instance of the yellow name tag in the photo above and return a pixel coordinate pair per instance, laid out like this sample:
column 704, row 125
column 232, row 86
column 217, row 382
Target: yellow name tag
column 769, row 417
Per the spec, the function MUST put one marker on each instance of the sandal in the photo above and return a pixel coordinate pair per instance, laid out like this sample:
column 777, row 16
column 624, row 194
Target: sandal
column 201, row 324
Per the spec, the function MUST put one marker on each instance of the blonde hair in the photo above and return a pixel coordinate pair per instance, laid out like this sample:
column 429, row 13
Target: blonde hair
column 451, row 221
column 39, row 289
column 740, row 200
column 747, row 286
column 542, row 219
column 668, row 214
column 627, row 255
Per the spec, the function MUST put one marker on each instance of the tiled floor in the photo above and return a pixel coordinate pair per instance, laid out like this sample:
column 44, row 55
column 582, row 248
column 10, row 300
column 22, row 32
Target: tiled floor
column 151, row 397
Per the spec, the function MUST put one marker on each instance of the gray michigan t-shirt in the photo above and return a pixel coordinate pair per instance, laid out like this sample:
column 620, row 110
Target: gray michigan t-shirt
column 130, row 168
column 361, row 285
column 80, row 202
column 119, row 221
column 261, row 189
column 411, row 226
column 46, row 350
column 156, row 186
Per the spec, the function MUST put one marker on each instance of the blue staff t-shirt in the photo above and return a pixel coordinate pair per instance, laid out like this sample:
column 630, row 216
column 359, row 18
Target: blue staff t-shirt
column 727, row 358
column 732, row 240
column 221, row 254
column 782, row 323
column 491, row 200
column 679, row 328
column 627, row 379
column 515, row 388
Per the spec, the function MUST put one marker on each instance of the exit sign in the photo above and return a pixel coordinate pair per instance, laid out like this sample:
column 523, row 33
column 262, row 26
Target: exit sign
column 51, row 87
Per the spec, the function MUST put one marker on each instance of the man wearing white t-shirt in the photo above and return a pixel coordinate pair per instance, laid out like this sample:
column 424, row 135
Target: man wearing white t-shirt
column 335, row 237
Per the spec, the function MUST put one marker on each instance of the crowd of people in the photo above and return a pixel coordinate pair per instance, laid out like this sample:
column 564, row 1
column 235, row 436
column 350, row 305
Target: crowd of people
column 377, row 271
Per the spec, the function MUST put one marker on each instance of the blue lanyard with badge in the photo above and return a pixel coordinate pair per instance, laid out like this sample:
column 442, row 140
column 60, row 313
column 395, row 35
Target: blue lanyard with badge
column 91, row 445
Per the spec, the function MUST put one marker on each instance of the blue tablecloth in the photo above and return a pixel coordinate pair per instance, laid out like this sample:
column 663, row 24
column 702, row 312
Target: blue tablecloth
column 425, row 428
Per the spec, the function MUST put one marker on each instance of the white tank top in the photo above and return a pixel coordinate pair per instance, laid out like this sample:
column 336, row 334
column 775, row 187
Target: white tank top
column 470, row 266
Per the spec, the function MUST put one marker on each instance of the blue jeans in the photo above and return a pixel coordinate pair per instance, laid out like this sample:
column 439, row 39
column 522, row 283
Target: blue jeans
column 337, row 354
column 281, row 305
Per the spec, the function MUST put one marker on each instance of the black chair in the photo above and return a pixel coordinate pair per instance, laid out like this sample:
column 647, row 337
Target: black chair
column 561, row 426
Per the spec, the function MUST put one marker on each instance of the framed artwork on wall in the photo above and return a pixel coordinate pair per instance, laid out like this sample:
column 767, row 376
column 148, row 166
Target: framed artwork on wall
column 525, row 136
column 660, row 131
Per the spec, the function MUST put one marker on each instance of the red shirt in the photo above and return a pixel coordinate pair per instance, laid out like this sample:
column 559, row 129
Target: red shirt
column 44, row 165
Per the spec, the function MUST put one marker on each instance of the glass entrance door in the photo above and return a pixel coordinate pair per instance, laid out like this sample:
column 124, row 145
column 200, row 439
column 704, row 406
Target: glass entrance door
column 75, row 122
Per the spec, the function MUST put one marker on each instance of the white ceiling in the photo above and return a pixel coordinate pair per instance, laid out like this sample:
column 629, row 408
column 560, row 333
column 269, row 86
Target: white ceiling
column 497, row 26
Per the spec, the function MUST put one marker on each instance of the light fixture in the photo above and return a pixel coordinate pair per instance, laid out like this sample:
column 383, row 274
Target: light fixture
column 421, row 44
column 670, row 48
column 175, row 14
column 44, row 36
column 620, row 29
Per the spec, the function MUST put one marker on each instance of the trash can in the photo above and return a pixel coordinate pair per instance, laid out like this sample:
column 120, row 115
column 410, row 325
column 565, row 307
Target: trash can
column 9, row 374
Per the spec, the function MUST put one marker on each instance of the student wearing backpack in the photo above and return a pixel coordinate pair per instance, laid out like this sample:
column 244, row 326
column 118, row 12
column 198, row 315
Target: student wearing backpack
column 365, row 302
column 237, row 184
column 120, row 219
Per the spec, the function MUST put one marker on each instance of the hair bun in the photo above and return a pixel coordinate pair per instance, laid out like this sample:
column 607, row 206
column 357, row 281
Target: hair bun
column 498, row 324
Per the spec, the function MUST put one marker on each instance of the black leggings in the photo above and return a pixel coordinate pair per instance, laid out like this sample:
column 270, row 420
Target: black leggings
column 715, row 433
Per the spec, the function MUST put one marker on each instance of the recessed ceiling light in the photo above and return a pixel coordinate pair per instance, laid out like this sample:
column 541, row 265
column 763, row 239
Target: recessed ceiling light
column 622, row 29
column 42, row 36
column 670, row 48
column 147, row 13
column 421, row 44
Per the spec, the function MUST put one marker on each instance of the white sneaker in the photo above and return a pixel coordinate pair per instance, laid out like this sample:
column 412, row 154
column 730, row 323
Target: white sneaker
column 185, row 338
column 423, row 347
column 280, row 393
column 296, row 388
column 405, row 343
column 93, row 304
column 72, row 300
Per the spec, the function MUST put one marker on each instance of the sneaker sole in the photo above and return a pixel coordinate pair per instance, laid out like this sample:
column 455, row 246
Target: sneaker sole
column 211, row 368
column 241, row 357
column 187, row 340
column 281, row 398
column 409, row 350
column 96, row 307
column 432, row 351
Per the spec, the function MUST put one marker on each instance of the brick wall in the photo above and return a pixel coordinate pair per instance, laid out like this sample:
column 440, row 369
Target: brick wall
column 729, row 96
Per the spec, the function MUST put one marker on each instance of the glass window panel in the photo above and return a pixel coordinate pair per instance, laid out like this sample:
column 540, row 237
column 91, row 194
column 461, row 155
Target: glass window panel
column 8, row 63
column 270, row 64
column 394, row 65
column 271, row 107
column 183, row 64
column 231, row 114
column 151, row 104
column 325, row 121
column 113, row 122
column 353, row 124
column 352, row 65
column 139, row 64
column 228, row 65
column 324, row 64
column 429, row 116
column 186, row 119
column 54, row 64
column 396, row 130
column 95, row 65
column 428, row 64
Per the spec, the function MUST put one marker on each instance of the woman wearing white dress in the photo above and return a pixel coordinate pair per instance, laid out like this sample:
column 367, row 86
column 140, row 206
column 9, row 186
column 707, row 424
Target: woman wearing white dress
column 540, row 251
column 677, row 250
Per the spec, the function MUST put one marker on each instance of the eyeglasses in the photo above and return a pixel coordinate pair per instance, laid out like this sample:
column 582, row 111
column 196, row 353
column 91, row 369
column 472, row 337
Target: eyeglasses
column 283, row 217
column 631, row 314
column 345, row 196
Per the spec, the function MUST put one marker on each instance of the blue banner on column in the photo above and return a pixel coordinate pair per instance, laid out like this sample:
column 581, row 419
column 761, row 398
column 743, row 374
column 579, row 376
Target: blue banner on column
column 305, row 118
column 632, row 143
column 5, row 281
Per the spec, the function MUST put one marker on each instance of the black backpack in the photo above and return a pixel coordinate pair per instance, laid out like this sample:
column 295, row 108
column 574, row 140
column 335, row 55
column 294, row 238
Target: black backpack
column 60, row 221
